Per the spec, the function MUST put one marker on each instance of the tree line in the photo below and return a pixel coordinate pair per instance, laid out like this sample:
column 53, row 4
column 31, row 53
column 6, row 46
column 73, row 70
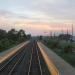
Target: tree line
column 11, row 38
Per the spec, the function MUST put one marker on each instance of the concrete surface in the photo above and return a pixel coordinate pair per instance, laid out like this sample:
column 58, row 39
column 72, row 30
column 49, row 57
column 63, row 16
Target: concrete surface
column 63, row 67
column 5, row 54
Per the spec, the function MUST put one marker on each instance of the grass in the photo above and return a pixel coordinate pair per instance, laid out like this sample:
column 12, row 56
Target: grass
column 59, row 47
column 69, row 57
column 6, row 44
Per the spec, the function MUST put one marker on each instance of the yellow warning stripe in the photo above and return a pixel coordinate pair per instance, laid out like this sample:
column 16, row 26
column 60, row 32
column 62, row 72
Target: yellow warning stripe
column 52, row 68
column 11, row 53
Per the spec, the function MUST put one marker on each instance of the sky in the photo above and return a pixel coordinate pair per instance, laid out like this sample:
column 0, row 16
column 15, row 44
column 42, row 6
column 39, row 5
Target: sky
column 38, row 17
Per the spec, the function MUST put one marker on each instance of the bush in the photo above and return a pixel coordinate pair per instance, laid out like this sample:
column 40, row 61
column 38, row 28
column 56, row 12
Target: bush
column 68, row 48
column 6, row 44
column 53, row 43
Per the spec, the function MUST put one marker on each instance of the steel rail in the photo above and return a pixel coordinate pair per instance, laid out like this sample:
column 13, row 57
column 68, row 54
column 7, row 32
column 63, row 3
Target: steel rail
column 11, row 71
column 17, row 55
column 3, row 66
column 30, row 62
column 39, row 61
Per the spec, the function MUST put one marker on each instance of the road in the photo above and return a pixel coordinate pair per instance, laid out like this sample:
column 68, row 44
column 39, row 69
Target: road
column 27, row 61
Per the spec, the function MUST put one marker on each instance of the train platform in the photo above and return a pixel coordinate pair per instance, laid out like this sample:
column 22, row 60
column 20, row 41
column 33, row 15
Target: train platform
column 60, row 65
column 6, row 54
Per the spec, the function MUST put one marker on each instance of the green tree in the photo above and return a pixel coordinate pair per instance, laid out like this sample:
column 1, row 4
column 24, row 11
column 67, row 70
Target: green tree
column 12, row 34
column 68, row 49
column 28, row 36
column 21, row 35
column 3, row 34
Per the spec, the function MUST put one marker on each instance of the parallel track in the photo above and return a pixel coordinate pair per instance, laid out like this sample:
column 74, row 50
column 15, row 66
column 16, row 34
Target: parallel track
column 28, row 61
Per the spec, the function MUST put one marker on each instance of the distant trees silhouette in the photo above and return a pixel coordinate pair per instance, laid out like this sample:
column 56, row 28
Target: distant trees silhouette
column 12, row 37
column 3, row 34
column 21, row 35
column 66, row 37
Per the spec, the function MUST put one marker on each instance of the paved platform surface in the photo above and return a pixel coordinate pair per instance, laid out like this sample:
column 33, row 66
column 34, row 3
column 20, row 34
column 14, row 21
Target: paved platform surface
column 63, row 67
column 8, row 53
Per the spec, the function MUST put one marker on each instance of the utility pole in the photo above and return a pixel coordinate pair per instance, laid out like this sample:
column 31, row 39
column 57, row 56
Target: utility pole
column 72, row 31
column 67, row 35
column 62, row 32
column 51, row 34
column 54, row 35
column 67, row 31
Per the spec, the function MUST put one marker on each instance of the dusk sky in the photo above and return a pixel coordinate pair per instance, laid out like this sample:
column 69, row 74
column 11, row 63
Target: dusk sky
column 37, row 16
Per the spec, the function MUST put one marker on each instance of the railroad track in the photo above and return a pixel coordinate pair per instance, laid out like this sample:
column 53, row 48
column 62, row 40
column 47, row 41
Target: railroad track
column 8, row 66
column 35, row 67
column 37, row 63
column 28, row 61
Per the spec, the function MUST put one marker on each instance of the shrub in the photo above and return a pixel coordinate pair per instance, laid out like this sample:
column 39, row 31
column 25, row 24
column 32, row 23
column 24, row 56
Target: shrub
column 53, row 43
column 68, row 48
